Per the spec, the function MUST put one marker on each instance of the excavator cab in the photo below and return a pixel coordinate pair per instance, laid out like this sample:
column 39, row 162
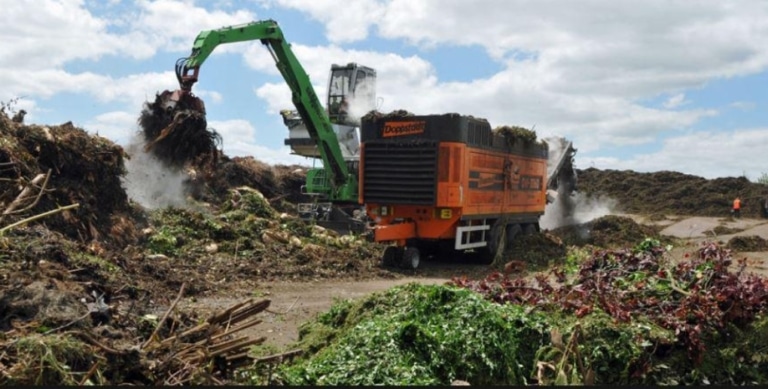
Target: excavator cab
column 351, row 93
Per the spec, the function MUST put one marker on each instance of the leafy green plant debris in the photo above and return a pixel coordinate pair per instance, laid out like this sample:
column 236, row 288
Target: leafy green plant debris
column 616, row 316
column 419, row 335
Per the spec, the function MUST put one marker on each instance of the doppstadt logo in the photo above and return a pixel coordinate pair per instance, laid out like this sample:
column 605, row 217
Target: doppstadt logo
column 402, row 128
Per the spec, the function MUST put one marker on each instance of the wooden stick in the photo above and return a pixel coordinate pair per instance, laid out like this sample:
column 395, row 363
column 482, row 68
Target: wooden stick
column 250, row 311
column 25, row 194
column 68, row 324
column 198, row 328
column 241, row 327
column 226, row 344
column 168, row 312
column 89, row 373
column 245, row 342
column 220, row 317
column 89, row 338
column 286, row 311
column 40, row 216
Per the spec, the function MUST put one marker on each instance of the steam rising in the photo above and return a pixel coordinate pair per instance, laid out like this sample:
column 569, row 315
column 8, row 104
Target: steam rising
column 575, row 209
column 569, row 208
column 148, row 182
column 363, row 101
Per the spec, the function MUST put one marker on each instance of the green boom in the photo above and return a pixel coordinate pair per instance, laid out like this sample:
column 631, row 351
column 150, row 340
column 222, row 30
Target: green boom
column 344, row 187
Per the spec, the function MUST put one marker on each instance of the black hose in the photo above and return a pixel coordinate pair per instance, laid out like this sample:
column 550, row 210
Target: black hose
column 180, row 68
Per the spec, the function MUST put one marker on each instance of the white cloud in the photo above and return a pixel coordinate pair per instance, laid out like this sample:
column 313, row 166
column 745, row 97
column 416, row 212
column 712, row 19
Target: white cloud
column 174, row 24
column 743, row 105
column 619, row 48
column 268, row 155
column 705, row 154
column 45, row 34
column 237, row 130
column 401, row 80
column 586, row 67
column 118, row 126
column 675, row 101
column 241, row 139
column 346, row 21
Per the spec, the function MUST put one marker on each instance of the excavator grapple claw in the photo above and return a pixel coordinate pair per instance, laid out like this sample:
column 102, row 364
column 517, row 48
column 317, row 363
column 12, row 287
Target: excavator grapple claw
column 176, row 131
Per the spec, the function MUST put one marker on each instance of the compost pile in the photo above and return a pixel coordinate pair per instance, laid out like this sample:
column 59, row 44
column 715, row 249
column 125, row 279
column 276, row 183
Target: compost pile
column 673, row 193
column 750, row 243
column 281, row 184
column 513, row 134
column 608, row 231
column 87, row 275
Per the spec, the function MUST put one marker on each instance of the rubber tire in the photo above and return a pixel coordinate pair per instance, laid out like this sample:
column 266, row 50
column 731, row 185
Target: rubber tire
column 494, row 244
column 411, row 258
column 513, row 230
column 530, row 229
column 390, row 257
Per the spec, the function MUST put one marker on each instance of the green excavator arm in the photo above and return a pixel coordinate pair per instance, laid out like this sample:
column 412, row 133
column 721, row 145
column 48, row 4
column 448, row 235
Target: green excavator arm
column 343, row 184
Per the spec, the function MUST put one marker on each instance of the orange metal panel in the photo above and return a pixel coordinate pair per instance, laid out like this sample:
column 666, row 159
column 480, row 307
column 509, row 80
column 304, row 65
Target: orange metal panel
column 499, row 183
column 383, row 233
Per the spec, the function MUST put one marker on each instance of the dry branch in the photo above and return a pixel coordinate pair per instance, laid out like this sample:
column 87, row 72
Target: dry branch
column 165, row 316
column 25, row 194
column 40, row 216
column 207, row 351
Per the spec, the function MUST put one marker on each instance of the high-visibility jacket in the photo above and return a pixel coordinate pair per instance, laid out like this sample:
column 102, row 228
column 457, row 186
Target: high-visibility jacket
column 737, row 204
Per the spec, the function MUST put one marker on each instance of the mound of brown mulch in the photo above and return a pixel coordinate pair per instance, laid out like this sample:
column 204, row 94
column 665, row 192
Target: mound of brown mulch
column 609, row 231
column 539, row 249
column 275, row 182
column 674, row 193
column 749, row 243
column 83, row 169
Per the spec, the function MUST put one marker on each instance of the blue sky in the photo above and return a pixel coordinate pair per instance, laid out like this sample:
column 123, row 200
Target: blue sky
column 646, row 86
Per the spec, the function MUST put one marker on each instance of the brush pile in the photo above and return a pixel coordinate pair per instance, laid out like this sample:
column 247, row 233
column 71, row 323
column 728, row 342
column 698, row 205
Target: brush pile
column 66, row 170
column 513, row 134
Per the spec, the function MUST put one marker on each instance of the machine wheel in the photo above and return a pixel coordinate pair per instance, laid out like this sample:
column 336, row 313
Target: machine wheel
column 530, row 229
column 512, row 231
column 495, row 244
column 411, row 258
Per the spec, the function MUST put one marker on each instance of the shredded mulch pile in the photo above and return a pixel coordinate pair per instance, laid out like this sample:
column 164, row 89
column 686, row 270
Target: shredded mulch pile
column 750, row 243
column 673, row 193
column 609, row 231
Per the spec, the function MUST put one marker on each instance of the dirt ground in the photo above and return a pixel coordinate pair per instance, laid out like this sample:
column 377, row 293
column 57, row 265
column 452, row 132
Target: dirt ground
column 294, row 303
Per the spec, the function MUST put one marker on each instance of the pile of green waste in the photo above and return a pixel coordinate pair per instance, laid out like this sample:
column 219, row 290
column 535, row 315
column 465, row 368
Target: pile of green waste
column 617, row 317
column 419, row 335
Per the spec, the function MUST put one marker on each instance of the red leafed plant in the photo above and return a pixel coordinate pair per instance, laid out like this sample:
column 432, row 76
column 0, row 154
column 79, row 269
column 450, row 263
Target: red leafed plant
column 697, row 295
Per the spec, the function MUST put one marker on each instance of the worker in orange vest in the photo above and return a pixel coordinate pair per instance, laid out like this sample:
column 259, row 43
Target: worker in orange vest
column 736, row 211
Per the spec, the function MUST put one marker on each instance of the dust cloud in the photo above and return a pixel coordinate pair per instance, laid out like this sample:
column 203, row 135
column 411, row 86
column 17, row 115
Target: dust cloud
column 148, row 182
column 363, row 101
column 573, row 209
